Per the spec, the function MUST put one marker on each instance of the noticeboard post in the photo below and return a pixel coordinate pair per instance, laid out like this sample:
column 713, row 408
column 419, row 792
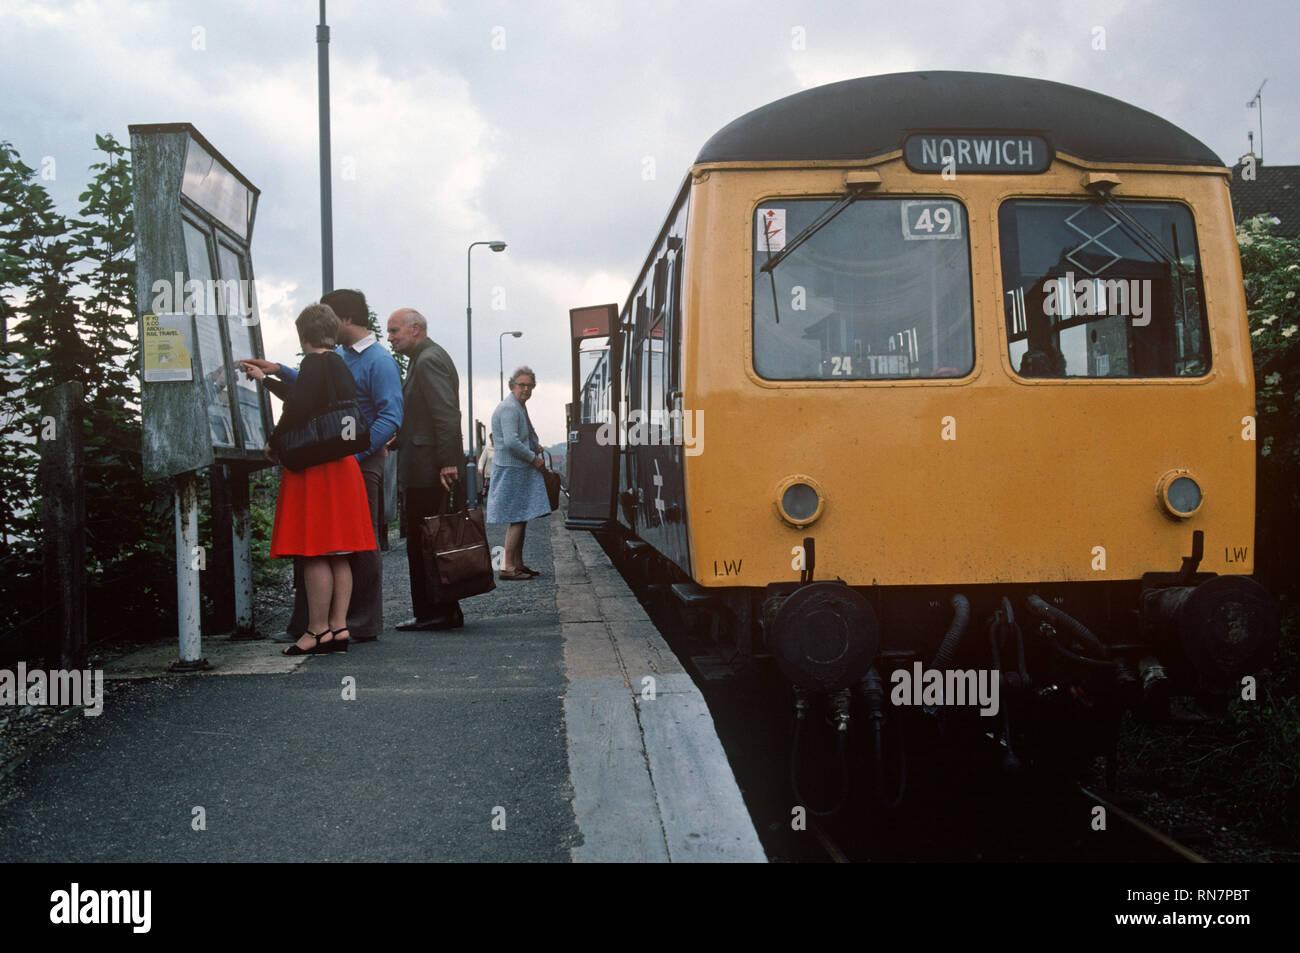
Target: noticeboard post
column 194, row 216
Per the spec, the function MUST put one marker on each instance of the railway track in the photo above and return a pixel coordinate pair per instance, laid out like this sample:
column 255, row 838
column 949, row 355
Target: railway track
column 959, row 805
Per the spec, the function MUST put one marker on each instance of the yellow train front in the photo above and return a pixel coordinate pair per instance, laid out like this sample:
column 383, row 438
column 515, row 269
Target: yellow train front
column 935, row 378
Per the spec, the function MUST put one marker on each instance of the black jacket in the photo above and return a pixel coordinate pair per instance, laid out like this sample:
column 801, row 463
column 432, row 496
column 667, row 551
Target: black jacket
column 309, row 395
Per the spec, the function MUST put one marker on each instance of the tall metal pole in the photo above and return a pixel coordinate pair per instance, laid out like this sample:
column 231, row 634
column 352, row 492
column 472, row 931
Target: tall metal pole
column 323, row 97
column 471, row 467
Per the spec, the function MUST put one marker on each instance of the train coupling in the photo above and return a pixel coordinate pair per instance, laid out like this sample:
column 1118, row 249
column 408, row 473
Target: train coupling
column 1226, row 626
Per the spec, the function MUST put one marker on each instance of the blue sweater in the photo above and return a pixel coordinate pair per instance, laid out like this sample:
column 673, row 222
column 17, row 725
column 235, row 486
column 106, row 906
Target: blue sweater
column 379, row 391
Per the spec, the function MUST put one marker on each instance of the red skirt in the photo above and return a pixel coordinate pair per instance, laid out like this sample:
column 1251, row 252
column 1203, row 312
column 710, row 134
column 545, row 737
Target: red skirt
column 322, row 510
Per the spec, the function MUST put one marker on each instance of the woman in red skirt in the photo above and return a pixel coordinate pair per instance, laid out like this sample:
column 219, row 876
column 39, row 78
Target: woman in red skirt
column 322, row 513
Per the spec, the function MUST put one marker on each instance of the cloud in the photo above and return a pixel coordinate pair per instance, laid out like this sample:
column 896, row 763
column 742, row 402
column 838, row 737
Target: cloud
column 818, row 69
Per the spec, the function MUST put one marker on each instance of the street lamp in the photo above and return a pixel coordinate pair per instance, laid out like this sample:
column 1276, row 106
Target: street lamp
column 501, row 361
column 471, row 467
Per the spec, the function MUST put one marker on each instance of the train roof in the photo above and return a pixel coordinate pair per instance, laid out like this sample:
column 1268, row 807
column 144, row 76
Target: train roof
column 871, row 116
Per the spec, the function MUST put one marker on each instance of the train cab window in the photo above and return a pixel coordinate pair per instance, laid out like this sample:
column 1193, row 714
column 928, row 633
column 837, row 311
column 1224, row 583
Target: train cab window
column 882, row 291
column 1102, row 289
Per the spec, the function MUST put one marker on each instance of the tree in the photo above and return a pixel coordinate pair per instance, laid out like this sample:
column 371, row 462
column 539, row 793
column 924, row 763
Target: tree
column 128, row 520
column 1271, row 268
column 19, row 558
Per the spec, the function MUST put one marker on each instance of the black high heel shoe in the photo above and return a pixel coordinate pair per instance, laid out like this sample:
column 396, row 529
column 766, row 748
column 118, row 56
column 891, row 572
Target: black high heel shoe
column 336, row 644
column 314, row 650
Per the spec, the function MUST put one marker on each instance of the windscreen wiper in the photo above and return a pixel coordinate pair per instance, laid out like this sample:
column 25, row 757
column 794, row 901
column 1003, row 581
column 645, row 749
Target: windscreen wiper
column 817, row 224
column 1142, row 236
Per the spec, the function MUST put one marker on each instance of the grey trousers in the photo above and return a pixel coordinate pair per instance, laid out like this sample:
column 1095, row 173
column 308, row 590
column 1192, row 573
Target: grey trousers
column 366, row 610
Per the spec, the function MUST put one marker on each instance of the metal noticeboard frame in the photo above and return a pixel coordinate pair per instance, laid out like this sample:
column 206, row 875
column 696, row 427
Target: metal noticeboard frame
column 194, row 213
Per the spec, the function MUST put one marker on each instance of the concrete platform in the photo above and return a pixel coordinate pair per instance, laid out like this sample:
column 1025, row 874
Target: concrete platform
column 555, row 726
column 651, row 781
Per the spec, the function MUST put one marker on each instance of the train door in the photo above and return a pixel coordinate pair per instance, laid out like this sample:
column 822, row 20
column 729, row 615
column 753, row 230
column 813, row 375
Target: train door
column 593, row 417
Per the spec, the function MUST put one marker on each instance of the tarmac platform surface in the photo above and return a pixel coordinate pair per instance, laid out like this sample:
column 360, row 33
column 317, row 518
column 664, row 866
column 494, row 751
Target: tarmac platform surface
column 556, row 725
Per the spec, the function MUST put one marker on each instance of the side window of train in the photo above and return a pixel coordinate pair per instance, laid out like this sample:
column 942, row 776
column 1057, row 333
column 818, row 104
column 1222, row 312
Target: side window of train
column 1102, row 289
column 673, row 344
column 636, row 366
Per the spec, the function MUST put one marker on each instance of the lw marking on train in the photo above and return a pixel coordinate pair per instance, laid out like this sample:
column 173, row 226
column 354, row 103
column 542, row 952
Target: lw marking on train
column 730, row 567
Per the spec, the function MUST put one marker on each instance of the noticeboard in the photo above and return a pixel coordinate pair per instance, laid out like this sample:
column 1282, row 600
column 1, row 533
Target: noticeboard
column 194, row 216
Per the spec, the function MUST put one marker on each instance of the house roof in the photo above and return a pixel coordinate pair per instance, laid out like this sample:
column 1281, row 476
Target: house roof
column 1275, row 191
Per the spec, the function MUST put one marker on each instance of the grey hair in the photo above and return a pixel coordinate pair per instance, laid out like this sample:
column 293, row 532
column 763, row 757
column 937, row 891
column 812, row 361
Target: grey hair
column 522, row 371
column 416, row 318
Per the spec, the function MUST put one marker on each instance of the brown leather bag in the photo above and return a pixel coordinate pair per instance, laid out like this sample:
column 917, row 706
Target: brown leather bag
column 552, row 482
column 457, row 558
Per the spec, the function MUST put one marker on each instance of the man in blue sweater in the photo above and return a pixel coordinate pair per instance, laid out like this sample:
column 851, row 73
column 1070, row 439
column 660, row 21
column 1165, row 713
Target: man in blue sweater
column 379, row 395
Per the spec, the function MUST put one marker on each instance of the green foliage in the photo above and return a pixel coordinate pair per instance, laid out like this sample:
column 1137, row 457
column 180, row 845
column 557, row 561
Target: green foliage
column 264, row 487
column 1271, row 269
column 1248, row 766
column 67, row 287
column 1245, row 767
column 20, row 559
column 129, row 522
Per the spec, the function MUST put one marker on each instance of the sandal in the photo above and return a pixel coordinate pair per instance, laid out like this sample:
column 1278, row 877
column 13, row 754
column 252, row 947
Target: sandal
column 531, row 572
column 314, row 650
column 336, row 644
column 509, row 574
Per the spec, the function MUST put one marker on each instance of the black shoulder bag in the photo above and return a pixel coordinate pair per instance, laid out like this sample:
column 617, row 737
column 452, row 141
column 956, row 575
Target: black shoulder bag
column 336, row 432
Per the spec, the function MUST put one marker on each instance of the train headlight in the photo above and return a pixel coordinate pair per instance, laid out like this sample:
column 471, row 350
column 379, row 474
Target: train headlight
column 1179, row 494
column 799, row 500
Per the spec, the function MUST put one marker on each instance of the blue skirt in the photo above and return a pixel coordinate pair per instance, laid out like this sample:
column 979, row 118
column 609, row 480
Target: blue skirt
column 516, row 495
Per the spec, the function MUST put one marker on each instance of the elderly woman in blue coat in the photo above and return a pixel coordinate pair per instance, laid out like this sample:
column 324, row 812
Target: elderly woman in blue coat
column 517, row 493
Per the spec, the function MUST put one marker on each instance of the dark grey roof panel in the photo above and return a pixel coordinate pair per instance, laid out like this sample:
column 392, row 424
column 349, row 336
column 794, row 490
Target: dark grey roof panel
column 871, row 116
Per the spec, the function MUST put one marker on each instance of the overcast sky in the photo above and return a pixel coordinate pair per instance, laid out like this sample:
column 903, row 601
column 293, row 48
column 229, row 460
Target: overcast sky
column 533, row 122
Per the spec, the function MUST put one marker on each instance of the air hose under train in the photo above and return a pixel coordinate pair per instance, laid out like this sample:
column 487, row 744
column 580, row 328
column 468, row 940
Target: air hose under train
column 952, row 638
column 1093, row 647
column 873, row 687
column 840, row 705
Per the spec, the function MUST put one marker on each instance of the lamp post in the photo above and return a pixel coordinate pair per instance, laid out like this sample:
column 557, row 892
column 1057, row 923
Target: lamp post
column 471, row 467
column 501, row 361
column 323, row 104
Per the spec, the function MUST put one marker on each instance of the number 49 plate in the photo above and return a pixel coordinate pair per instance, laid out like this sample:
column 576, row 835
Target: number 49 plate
column 931, row 218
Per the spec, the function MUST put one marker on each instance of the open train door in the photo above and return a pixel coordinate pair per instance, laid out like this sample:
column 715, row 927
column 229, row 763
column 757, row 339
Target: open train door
column 593, row 417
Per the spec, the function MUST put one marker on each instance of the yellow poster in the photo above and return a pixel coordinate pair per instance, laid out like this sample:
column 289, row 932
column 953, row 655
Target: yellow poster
column 165, row 344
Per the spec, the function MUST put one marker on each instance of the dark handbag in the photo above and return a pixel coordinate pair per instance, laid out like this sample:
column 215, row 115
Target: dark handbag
column 552, row 483
column 325, row 438
column 457, row 558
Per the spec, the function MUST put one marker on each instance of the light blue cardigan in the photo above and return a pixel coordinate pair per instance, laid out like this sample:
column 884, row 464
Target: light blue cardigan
column 515, row 443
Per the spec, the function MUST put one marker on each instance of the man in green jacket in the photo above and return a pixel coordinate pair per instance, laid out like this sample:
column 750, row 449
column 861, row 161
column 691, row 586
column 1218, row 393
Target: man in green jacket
column 431, row 455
